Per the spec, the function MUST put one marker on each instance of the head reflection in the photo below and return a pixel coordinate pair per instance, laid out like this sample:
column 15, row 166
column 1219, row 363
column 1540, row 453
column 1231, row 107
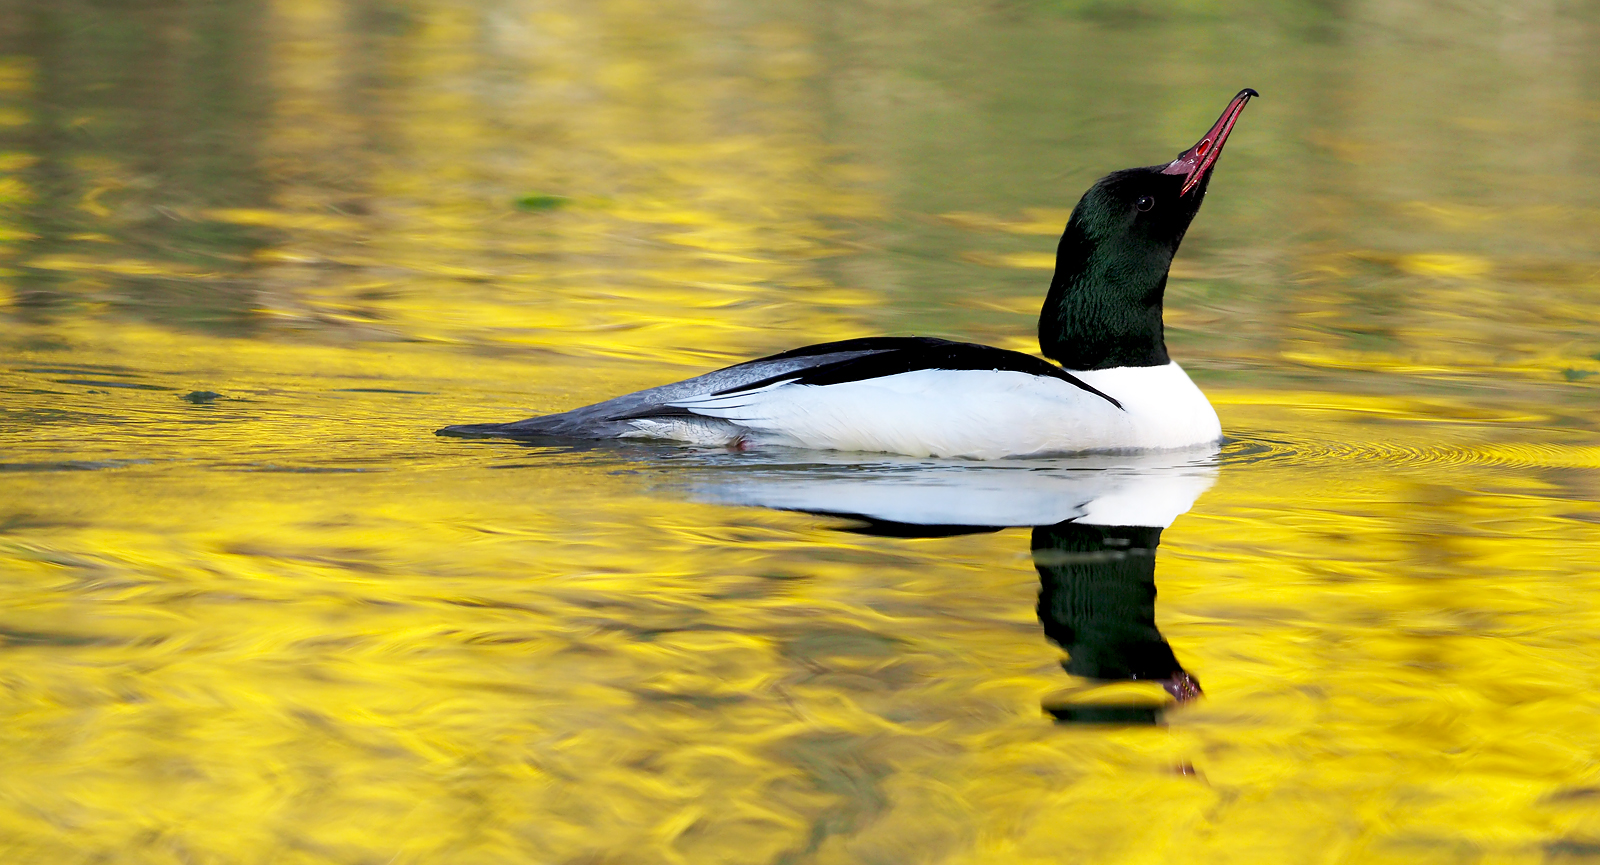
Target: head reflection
column 1097, row 521
column 1097, row 600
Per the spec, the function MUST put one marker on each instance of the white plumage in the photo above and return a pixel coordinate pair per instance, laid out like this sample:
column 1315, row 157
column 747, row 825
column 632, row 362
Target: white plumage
column 973, row 414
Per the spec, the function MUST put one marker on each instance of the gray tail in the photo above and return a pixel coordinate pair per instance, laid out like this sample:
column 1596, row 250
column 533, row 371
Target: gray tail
column 477, row 430
column 589, row 422
column 614, row 417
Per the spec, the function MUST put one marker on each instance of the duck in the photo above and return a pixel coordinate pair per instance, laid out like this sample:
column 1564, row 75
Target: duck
column 1112, row 386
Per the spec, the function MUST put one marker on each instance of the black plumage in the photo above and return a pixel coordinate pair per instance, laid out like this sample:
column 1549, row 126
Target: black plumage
column 880, row 356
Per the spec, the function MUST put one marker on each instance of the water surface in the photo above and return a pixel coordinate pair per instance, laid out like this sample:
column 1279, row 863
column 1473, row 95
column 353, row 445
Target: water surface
column 254, row 611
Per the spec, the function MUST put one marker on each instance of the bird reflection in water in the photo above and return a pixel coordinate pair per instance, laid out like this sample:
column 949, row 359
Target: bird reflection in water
column 1097, row 521
column 1097, row 600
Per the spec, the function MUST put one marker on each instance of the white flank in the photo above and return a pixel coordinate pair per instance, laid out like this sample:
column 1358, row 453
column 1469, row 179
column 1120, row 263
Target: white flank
column 973, row 414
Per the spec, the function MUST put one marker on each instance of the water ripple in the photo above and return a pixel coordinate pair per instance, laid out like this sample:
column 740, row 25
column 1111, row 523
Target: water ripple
column 1251, row 449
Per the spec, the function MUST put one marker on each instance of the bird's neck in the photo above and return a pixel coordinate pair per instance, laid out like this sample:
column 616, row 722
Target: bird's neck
column 1104, row 305
column 1082, row 335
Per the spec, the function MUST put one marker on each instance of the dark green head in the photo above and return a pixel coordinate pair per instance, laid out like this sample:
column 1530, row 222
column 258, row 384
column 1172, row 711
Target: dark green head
column 1104, row 306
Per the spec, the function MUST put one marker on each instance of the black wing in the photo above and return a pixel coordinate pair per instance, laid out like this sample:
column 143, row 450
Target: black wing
column 891, row 355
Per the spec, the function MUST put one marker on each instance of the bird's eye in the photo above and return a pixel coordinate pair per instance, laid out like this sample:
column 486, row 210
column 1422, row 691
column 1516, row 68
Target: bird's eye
column 1145, row 202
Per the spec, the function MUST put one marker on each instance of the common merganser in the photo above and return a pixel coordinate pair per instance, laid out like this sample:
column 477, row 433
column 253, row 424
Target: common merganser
column 1116, row 388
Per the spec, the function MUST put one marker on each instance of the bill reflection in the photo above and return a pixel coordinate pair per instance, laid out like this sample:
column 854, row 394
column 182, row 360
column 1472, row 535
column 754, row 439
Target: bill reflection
column 1097, row 521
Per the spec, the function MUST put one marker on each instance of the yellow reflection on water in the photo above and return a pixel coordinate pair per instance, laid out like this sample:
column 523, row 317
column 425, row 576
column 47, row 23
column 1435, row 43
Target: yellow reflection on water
column 254, row 611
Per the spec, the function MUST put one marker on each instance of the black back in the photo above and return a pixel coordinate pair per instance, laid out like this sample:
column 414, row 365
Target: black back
column 892, row 355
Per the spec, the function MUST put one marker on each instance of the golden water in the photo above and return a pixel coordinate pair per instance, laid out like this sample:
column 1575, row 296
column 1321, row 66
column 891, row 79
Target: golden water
column 288, row 624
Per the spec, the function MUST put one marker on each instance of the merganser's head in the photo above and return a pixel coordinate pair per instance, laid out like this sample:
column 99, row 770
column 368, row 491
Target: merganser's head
column 1104, row 306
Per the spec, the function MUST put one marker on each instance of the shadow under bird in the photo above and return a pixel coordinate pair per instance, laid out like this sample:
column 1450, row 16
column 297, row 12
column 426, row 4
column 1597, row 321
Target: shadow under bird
column 1116, row 387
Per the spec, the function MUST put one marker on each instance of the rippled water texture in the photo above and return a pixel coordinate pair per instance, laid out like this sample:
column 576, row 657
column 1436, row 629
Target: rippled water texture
column 252, row 610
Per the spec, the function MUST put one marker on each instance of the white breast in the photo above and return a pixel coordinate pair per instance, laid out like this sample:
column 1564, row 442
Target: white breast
column 975, row 414
column 1165, row 407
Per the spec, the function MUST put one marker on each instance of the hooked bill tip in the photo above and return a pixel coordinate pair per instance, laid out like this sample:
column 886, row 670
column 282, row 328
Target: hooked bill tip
column 1248, row 91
